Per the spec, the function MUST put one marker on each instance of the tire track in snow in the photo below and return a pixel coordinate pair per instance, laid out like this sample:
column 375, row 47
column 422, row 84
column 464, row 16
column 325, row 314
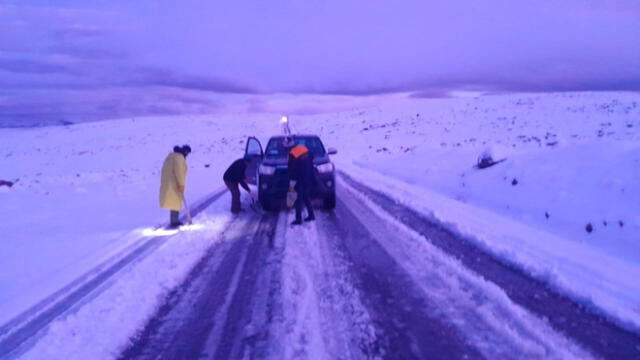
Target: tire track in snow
column 407, row 327
column 203, row 318
column 484, row 316
column 575, row 321
column 246, row 329
column 22, row 332
column 323, row 315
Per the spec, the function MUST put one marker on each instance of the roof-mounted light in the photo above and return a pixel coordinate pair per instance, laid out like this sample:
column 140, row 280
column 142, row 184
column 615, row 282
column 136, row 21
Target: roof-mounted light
column 284, row 124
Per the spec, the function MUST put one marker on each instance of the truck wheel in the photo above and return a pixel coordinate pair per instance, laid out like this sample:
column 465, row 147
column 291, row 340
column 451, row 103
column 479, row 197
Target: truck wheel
column 329, row 202
column 264, row 202
column 266, row 205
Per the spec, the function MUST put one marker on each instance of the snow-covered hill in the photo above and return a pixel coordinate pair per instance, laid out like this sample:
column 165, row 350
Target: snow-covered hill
column 572, row 164
column 572, row 159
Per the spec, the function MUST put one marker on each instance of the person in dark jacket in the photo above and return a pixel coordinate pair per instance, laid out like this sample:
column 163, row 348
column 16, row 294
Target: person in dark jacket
column 301, row 179
column 234, row 176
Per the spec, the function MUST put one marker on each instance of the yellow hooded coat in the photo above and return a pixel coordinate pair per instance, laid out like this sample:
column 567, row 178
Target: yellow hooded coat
column 174, row 174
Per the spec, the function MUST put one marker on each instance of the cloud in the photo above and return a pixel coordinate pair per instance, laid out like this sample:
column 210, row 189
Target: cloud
column 79, row 31
column 190, row 53
column 171, row 78
column 430, row 94
column 510, row 82
column 87, row 52
column 89, row 70
column 31, row 66
column 45, row 108
column 188, row 99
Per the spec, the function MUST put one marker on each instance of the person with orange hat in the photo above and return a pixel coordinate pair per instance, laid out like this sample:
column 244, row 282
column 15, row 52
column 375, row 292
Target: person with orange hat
column 301, row 178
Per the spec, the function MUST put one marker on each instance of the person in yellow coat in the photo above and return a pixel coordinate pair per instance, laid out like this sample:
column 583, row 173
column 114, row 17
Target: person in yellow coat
column 172, row 183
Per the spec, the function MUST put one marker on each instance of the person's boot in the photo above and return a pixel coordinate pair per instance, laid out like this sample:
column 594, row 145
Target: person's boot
column 310, row 218
column 296, row 222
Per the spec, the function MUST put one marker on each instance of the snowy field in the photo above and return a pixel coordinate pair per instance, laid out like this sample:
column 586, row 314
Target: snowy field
column 563, row 205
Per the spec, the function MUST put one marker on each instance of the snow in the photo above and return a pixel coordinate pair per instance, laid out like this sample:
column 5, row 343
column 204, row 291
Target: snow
column 301, row 294
column 497, row 327
column 87, row 191
column 575, row 157
column 133, row 298
column 316, row 286
column 584, row 272
column 554, row 148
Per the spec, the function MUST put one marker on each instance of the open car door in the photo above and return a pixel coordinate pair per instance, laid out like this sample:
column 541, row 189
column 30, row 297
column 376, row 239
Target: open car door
column 253, row 151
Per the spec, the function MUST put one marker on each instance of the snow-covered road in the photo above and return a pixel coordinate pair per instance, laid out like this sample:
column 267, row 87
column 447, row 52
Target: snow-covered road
column 204, row 316
column 534, row 258
column 21, row 332
column 371, row 280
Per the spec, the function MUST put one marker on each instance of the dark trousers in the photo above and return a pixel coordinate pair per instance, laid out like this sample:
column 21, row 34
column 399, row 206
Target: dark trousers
column 303, row 198
column 235, row 196
column 174, row 217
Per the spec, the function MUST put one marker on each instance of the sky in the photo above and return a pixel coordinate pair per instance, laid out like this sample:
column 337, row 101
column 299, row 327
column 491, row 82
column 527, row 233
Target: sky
column 84, row 60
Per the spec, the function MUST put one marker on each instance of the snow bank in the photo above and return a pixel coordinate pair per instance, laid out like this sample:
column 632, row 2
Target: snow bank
column 572, row 159
column 130, row 301
column 591, row 276
column 86, row 191
column 563, row 204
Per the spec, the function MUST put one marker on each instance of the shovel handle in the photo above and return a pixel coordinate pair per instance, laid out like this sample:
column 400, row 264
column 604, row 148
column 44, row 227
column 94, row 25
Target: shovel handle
column 186, row 209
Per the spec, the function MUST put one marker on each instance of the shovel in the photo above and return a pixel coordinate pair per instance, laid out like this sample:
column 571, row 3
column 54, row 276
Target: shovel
column 292, row 196
column 253, row 205
column 186, row 210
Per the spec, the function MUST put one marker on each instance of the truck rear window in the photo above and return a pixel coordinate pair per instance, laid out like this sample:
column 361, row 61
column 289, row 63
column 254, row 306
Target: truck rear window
column 276, row 148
